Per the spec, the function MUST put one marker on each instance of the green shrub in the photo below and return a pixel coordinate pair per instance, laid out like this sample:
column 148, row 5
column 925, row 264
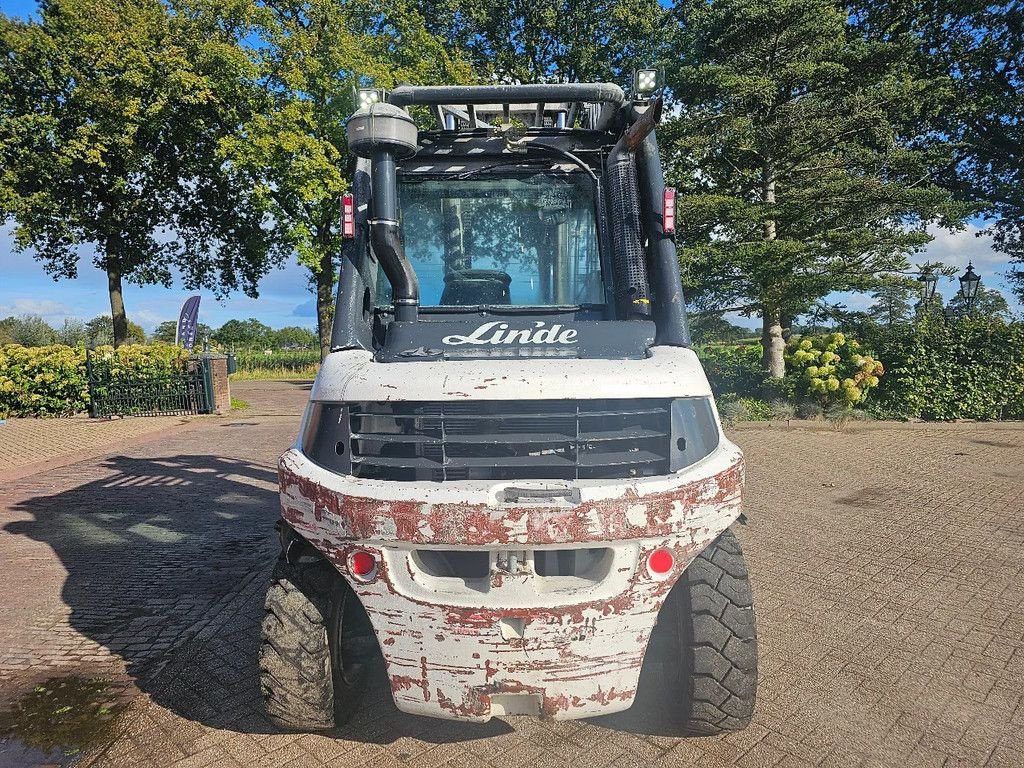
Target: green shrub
column 733, row 410
column 757, row 410
column 832, row 370
column 52, row 381
column 782, row 410
column 42, row 381
column 810, row 411
column 969, row 369
column 733, row 368
column 840, row 415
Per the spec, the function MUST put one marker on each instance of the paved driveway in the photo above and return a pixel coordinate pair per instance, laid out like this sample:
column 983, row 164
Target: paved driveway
column 887, row 562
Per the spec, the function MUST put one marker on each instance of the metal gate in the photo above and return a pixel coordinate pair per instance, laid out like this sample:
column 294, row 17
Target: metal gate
column 180, row 390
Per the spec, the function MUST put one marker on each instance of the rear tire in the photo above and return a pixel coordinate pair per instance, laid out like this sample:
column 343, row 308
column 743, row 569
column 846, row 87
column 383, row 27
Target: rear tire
column 701, row 663
column 308, row 684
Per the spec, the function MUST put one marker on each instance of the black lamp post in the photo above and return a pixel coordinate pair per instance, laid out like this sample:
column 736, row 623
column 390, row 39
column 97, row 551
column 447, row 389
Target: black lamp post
column 928, row 282
column 969, row 282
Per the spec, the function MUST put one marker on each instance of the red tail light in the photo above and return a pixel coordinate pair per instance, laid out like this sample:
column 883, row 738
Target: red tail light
column 348, row 216
column 669, row 210
column 660, row 562
column 362, row 565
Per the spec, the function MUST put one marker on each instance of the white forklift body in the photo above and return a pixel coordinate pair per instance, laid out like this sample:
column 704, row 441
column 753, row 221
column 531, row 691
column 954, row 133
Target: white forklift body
column 510, row 479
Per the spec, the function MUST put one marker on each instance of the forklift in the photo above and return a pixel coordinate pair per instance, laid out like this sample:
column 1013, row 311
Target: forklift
column 510, row 490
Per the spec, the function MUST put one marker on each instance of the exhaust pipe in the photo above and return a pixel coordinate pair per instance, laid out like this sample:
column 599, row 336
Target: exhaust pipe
column 386, row 236
column 633, row 292
column 384, row 133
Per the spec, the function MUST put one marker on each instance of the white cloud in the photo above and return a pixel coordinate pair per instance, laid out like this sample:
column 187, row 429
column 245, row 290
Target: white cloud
column 50, row 310
column 958, row 248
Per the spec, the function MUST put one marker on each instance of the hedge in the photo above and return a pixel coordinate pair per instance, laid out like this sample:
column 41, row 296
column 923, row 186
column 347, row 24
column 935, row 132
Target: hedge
column 51, row 381
column 969, row 369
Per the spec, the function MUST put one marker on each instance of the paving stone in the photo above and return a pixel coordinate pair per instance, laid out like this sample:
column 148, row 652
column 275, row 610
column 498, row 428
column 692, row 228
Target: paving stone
column 886, row 562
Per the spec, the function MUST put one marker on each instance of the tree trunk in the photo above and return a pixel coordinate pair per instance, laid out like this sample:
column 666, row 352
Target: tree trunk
column 117, row 312
column 325, row 302
column 772, row 361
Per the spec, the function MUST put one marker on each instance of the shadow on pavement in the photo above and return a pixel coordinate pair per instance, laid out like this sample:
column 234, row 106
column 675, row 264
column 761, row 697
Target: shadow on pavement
column 168, row 560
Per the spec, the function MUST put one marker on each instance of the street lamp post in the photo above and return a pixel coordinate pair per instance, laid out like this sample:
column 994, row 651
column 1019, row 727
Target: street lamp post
column 928, row 282
column 969, row 282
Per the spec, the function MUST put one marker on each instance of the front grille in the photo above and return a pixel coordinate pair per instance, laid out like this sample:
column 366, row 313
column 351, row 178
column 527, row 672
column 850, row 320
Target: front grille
column 510, row 440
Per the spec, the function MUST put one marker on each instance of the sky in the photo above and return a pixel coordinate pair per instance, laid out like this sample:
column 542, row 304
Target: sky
column 284, row 294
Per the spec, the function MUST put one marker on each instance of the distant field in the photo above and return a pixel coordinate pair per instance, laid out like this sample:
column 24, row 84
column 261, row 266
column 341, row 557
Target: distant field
column 277, row 364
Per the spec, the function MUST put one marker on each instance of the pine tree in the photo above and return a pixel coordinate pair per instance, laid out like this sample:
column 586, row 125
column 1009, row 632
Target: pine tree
column 788, row 149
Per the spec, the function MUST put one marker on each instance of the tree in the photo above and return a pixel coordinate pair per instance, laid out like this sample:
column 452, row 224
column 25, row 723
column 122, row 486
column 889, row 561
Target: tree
column 714, row 327
column 73, row 333
column 167, row 331
column 99, row 332
column 243, row 333
column 892, row 302
column 981, row 45
column 561, row 40
column 789, row 150
column 110, row 118
column 988, row 303
column 294, row 336
column 27, row 330
column 293, row 146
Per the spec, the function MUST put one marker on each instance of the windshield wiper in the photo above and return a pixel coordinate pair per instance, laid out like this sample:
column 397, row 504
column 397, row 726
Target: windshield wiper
column 510, row 309
column 505, row 164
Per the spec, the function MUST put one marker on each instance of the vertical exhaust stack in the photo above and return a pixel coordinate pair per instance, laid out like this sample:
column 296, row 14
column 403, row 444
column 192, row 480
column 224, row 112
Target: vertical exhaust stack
column 633, row 291
column 384, row 133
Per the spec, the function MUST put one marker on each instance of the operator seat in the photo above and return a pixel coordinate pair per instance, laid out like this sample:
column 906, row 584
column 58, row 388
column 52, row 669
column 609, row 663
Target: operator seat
column 468, row 287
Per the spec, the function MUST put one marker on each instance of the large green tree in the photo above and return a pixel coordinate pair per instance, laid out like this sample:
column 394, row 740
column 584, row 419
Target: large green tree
column 167, row 332
column 250, row 332
column 110, row 118
column 523, row 41
column 790, row 151
column 979, row 47
column 308, row 55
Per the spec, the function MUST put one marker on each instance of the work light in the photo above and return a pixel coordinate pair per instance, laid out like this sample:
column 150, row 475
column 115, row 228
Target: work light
column 368, row 96
column 645, row 81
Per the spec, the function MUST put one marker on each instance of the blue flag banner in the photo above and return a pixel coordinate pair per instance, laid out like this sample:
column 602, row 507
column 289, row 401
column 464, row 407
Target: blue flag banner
column 188, row 323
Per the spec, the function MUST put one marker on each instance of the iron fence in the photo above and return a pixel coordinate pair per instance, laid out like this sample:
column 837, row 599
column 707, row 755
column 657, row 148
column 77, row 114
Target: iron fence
column 181, row 389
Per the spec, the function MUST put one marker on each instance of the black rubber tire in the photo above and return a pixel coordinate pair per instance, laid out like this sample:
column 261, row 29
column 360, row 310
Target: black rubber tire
column 304, row 685
column 717, row 636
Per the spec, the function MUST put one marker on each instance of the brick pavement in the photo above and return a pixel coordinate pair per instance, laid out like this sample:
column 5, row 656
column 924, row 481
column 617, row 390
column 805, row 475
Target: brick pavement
column 28, row 446
column 887, row 563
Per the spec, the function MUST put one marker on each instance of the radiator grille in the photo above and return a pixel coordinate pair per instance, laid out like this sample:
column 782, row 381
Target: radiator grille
column 510, row 440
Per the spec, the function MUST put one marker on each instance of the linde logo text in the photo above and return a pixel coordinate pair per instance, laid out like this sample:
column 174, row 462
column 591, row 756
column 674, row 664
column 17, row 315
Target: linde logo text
column 499, row 333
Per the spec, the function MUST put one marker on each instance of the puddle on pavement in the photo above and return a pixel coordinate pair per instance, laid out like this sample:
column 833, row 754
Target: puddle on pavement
column 57, row 721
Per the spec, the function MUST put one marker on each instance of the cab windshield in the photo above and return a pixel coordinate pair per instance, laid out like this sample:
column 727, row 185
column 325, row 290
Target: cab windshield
column 526, row 241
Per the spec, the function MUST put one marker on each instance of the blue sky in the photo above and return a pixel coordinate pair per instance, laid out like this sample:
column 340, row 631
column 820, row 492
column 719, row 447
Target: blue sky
column 285, row 297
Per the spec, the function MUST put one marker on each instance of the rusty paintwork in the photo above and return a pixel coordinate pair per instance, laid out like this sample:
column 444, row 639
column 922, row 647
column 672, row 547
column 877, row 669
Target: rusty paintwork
column 452, row 651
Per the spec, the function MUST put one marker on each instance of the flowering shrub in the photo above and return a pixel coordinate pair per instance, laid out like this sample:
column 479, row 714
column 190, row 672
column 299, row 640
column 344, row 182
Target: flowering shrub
column 52, row 381
column 137, row 360
column 42, row 381
column 832, row 369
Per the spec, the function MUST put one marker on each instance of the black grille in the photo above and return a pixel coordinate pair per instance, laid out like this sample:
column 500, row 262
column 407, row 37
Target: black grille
column 510, row 440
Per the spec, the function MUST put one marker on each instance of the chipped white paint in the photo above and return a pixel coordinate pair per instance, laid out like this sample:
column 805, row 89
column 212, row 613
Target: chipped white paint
column 352, row 375
column 564, row 647
column 489, row 491
column 636, row 514
column 447, row 643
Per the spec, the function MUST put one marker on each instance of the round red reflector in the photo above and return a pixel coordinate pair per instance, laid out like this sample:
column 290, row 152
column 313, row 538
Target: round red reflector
column 362, row 563
column 661, row 561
